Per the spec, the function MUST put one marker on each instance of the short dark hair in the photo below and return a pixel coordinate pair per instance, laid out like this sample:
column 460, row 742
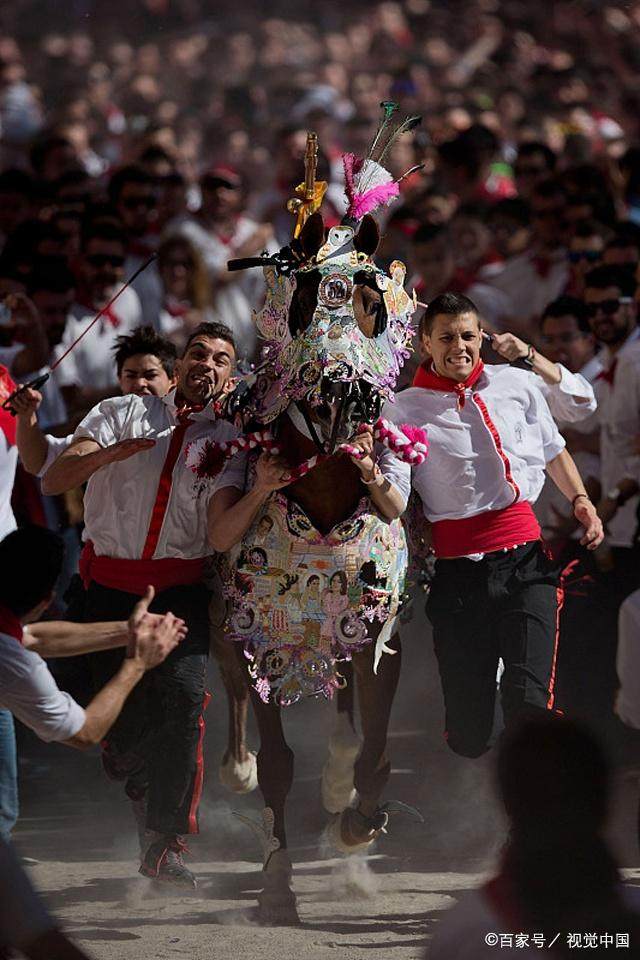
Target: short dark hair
column 103, row 229
column 31, row 561
column 511, row 208
column 609, row 275
column 16, row 181
column 43, row 146
column 428, row 232
column 589, row 228
column 51, row 274
column 571, row 779
column 215, row 331
column 128, row 174
column 533, row 147
column 145, row 340
column 567, row 306
column 449, row 304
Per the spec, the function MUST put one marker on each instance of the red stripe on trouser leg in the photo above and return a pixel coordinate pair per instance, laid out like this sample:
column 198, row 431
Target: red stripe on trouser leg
column 552, row 681
column 163, row 492
column 199, row 775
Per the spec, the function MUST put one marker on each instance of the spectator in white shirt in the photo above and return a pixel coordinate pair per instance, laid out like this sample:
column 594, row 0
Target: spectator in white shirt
column 221, row 231
column 87, row 375
column 145, row 364
column 610, row 300
column 134, row 195
column 539, row 275
column 52, row 289
column 186, row 287
column 568, row 341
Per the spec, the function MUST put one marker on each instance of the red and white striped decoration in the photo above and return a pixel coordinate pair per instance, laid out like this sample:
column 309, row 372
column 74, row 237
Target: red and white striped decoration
column 206, row 458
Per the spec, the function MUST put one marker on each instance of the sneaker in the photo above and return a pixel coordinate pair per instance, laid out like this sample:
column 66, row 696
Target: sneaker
column 163, row 861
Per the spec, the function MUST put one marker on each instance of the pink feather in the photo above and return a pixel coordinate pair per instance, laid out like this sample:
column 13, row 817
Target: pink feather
column 372, row 199
column 352, row 166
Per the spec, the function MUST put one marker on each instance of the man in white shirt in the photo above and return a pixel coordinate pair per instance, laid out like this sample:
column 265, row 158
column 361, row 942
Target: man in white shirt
column 135, row 198
column 535, row 278
column 146, row 522
column 87, row 375
column 569, row 342
column 495, row 594
column 52, row 291
column 610, row 300
column 144, row 363
column 220, row 231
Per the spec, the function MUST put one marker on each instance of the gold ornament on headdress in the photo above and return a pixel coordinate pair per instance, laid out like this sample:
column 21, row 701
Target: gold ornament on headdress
column 310, row 193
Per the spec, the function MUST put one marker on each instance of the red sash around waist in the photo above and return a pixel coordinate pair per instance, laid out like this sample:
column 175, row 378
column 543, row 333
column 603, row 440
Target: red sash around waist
column 486, row 532
column 134, row 576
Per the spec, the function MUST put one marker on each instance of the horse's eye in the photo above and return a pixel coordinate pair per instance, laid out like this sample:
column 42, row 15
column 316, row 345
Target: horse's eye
column 368, row 309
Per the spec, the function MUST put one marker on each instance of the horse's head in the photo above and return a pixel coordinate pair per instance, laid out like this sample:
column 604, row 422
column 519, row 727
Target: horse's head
column 337, row 329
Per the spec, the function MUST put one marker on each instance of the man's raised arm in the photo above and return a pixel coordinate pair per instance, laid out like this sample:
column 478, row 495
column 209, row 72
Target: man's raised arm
column 82, row 458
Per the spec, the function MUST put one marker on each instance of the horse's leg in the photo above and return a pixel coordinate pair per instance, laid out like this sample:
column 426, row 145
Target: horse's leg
column 238, row 767
column 376, row 692
column 277, row 902
column 344, row 745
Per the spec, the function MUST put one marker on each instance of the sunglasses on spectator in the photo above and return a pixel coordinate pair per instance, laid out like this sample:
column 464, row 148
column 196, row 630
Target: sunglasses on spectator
column 607, row 307
column 104, row 259
column 575, row 256
column 131, row 203
column 562, row 338
column 179, row 262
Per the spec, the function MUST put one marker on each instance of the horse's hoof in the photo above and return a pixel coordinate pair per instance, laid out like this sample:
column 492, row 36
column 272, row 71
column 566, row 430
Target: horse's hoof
column 277, row 901
column 239, row 776
column 337, row 788
column 352, row 832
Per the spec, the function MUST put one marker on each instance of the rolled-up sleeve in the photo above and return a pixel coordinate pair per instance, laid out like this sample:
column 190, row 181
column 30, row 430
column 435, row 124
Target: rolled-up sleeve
column 104, row 422
column 572, row 399
column 395, row 471
column 28, row 690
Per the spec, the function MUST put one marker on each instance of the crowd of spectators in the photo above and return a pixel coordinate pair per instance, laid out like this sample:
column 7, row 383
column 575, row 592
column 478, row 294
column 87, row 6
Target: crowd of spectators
column 180, row 129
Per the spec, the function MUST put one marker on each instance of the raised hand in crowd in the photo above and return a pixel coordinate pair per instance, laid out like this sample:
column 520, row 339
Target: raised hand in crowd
column 152, row 636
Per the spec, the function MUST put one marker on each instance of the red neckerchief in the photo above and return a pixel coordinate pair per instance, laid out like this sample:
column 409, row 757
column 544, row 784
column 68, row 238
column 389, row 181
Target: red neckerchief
column 7, row 422
column 10, row 624
column 176, row 309
column 109, row 315
column 609, row 375
column 542, row 265
column 427, row 377
column 138, row 248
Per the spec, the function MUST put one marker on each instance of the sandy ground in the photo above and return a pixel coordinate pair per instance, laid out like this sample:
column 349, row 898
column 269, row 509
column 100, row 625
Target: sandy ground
column 79, row 829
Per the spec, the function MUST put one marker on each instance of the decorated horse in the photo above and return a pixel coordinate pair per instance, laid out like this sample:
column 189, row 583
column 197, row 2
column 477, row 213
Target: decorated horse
column 317, row 579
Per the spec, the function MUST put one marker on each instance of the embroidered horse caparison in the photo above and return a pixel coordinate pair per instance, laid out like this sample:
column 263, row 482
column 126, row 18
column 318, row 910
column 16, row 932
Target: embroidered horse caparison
column 320, row 573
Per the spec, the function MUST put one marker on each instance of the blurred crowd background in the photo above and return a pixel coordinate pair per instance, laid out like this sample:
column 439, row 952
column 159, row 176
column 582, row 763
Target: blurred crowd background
column 179, row 127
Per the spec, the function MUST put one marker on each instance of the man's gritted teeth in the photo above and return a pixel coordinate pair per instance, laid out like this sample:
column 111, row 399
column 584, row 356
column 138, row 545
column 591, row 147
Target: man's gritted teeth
column 460, row 361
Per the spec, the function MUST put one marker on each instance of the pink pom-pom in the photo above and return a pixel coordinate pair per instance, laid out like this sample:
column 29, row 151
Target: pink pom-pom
column 414, row 434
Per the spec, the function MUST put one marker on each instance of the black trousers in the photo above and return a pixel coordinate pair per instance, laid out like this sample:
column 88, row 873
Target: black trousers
column 155, row 745
column 505, row 605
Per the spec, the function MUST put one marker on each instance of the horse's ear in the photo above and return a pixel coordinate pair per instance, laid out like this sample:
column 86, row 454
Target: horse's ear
column 312, row 235
column 367, row 238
